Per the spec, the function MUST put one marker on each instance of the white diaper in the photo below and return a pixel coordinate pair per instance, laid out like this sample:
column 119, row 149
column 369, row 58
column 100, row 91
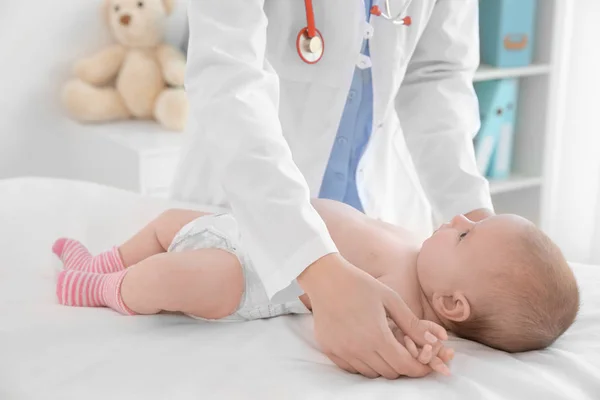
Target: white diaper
column 221, row 231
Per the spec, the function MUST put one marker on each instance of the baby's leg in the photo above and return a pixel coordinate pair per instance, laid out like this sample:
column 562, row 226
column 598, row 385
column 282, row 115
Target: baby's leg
column 207, row 283
column 154, row 238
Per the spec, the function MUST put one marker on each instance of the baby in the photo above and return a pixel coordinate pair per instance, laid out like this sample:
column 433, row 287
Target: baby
column 500, row 282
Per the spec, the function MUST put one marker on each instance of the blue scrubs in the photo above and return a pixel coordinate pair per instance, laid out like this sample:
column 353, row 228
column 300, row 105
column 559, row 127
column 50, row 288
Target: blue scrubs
column 339, row 181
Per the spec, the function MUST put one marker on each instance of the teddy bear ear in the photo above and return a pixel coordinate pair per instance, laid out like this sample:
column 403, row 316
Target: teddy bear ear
column 169, row 5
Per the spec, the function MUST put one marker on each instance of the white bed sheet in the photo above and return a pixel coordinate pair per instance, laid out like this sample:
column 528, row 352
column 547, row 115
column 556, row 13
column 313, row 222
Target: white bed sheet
column 48, row 351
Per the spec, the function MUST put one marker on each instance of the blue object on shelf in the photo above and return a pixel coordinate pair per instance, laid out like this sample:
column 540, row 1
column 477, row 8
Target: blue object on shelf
column 494, row 141
column 506, row 30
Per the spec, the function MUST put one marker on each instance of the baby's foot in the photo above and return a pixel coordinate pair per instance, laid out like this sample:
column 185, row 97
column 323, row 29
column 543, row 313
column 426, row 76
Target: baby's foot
column 75, row 256
column 86, row 289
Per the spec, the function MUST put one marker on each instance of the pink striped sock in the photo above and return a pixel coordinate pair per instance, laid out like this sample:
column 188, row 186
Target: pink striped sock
column 76, row 256
column 86, row 289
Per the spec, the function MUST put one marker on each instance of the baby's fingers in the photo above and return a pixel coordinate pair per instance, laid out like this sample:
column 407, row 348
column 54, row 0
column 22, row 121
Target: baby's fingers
column 426, row 354
column 437, row 363
column 446, row 354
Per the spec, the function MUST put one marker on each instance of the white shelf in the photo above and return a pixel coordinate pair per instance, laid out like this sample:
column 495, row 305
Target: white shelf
column 487, row 72
column 514, row 183
column 142, row 137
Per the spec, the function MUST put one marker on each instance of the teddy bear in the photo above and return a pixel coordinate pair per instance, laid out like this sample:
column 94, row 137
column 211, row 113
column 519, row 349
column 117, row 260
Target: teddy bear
column 138, row 77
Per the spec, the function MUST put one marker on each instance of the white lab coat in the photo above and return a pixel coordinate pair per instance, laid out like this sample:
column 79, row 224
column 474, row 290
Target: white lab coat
column 263, row 122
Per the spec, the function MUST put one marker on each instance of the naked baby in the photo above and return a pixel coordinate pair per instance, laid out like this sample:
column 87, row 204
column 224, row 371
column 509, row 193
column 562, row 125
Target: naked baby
column 501, row 281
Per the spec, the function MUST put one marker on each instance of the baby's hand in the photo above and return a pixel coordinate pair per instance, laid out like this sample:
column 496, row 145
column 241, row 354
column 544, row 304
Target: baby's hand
column 435, row 356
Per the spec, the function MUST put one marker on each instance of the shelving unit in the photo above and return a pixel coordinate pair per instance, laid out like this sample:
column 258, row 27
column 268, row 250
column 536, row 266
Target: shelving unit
column 487, row 72
column 514, row 183
column 522, row 193
column 132, row 155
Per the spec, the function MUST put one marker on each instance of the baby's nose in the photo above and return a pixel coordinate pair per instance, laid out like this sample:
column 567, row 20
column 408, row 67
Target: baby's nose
column 125, row 19
column 459, row 221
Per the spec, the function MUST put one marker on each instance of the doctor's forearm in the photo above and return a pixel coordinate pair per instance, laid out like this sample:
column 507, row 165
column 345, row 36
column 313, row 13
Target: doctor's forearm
column 234, row 100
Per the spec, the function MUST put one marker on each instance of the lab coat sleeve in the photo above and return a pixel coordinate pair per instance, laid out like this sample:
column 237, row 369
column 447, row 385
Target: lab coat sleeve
column 234, row 95
column 439, row 112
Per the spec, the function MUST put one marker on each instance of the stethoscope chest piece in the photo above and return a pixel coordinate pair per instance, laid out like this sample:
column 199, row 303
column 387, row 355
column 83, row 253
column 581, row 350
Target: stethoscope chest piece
column 310, row 49
column 310, row 43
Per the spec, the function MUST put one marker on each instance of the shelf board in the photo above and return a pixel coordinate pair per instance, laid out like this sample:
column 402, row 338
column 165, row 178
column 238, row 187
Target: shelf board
column 487, row 72
column 141, row 136
column 514, row 183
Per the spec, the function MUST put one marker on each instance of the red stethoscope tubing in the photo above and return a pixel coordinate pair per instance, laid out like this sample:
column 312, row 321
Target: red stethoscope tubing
column 312, row 31
column 310, row 19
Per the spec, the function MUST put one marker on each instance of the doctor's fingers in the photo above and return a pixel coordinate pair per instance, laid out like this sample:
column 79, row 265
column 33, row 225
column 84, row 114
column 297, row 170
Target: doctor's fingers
column 364, row 369
column 381, row 366
column 438, row 365
column 401, row 360
column 411, row 347
column 341, row 363
column 373, row 367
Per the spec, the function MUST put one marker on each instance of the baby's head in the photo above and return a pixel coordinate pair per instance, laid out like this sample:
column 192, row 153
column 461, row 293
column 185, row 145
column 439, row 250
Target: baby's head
column 501, row 282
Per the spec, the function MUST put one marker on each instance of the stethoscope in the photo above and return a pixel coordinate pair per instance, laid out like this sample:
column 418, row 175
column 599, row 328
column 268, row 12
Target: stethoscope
column 310, row 43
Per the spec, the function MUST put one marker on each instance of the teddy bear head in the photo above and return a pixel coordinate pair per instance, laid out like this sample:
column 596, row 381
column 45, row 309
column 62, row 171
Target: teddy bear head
column 138, row 23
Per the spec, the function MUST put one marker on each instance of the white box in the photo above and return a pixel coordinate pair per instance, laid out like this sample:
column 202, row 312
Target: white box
column 139, row 156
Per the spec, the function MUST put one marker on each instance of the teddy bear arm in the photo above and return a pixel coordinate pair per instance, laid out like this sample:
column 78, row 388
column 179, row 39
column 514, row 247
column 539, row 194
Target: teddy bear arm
column 172, row 62
column 102, row 66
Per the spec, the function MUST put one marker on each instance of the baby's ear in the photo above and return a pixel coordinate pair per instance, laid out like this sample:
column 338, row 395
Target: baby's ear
column 454, row 307
column 169, row 6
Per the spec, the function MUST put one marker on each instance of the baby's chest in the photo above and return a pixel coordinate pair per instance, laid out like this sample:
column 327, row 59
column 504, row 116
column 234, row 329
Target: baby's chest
column 379, row 252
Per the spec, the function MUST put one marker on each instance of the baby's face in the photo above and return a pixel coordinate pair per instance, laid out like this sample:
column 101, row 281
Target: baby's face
column 462, row 255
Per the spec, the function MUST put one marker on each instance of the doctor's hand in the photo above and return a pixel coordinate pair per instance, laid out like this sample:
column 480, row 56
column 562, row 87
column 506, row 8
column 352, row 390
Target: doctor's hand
column 350, row 310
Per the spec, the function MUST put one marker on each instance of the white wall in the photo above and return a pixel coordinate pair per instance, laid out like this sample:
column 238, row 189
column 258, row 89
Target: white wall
column 39, row 42
column 574, row 195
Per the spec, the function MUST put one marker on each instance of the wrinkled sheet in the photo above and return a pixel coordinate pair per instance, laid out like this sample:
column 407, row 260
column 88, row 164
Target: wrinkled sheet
column 48, row 351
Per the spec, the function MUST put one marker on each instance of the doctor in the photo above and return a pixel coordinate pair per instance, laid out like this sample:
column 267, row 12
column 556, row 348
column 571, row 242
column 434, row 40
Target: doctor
column 382, row 119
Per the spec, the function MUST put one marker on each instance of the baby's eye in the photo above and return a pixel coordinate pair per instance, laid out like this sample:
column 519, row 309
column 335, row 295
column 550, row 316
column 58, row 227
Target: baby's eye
column 462, row 235
column 140, row 4
column 117, row 8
